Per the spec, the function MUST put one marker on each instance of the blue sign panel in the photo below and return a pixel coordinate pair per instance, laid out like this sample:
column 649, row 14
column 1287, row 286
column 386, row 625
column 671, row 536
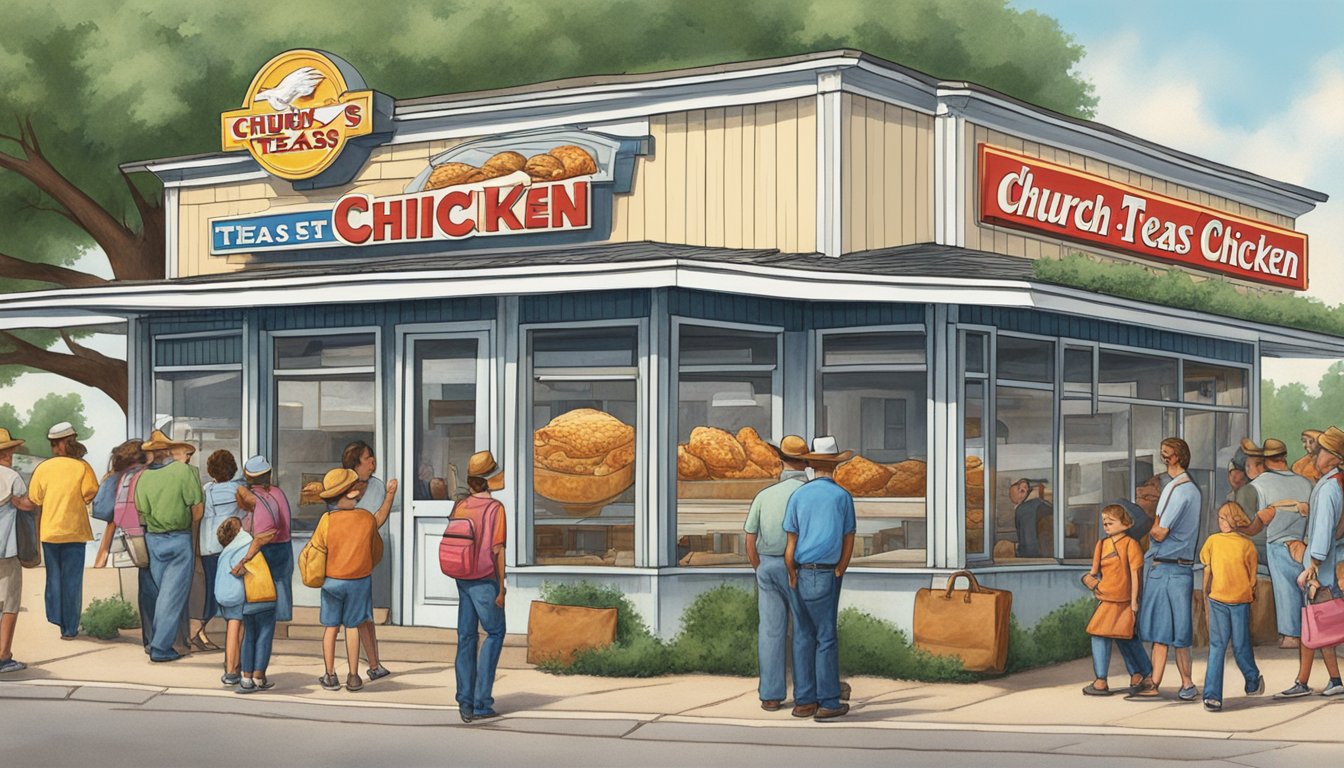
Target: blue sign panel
column 284, row 231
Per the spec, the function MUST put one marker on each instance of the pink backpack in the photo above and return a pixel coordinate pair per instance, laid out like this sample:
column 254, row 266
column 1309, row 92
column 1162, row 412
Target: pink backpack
column 124, row 512
column 465, row 550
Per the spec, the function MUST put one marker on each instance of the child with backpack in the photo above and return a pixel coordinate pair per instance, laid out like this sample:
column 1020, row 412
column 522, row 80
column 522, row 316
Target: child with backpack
column 472, row 552
column 245, row 592
column 115, row 505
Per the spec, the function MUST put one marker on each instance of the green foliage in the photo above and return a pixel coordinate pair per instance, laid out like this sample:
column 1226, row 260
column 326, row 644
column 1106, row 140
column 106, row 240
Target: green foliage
column 1174, row 288
column 629, row 624
column 104, row 617
column 718, row 633
column 1061, row 635
column 49, row 410
column 1288, row 410
column 871, row 646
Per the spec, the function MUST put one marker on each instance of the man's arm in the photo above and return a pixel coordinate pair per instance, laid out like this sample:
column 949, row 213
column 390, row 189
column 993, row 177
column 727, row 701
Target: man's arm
column 788, row 559
column 1258, row 523
column 753, row 556
column 846, row 552
column 380, row 516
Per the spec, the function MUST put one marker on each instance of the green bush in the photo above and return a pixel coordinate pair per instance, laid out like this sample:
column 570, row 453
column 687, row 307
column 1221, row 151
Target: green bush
column 629, row 624
column 871, row 646
column 104, row 617
column 1060, row 635
column 718, row 633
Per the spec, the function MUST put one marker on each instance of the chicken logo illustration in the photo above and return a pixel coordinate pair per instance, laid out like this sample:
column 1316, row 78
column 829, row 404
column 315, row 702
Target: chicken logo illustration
column 298, row 114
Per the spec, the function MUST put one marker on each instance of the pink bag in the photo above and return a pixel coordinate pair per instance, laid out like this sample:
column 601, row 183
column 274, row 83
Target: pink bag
column 465, row 550
column 1323, row 624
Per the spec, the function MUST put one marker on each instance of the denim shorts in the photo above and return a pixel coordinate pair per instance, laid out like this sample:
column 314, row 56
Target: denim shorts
column 231, row 612
column 346, row 602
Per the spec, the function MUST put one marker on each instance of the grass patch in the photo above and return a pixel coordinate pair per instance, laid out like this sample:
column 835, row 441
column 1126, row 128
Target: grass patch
column 104, row 617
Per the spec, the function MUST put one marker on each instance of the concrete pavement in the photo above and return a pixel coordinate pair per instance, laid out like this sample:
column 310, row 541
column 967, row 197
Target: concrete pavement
column 1044, row 701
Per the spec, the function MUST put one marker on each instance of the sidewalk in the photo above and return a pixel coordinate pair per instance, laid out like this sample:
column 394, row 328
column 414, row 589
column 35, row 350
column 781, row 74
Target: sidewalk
column 1046, row 700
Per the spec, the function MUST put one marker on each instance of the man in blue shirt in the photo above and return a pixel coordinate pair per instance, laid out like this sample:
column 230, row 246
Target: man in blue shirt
column 1323, row 512
column 819, row 521
column 1164, row 611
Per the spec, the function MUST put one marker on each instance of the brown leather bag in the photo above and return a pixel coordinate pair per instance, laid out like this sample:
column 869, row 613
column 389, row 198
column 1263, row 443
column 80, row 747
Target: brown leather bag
column 558, row 632
column 971, row 623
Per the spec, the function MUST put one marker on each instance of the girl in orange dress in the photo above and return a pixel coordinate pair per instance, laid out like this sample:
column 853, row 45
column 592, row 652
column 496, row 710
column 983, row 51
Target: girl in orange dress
column 1114, row 579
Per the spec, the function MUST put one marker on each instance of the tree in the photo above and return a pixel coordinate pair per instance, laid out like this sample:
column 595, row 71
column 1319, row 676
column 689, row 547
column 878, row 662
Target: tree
column 1286, row 411
column 90, row 86
column 49, row 410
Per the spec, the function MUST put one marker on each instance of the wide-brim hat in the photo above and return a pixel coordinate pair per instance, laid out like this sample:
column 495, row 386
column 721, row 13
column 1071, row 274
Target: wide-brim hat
column 791, row 448
column 256, row 466
column 7, row 441
column 1274, row 448
column 60, row 430
column 1238, row 461
column 160, row 442
column 1252, row 450
column 337, row 482
column 1332, row 440
column 482, row 464
column 1312, row 433
column 825, row 450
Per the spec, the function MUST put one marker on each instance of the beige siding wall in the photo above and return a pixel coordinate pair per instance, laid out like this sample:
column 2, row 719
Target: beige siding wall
column 736, row 177
column 886, row 162
column 1016, row 243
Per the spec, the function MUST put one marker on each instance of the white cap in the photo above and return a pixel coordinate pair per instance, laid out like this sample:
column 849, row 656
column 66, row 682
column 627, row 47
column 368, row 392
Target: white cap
column 63, row 429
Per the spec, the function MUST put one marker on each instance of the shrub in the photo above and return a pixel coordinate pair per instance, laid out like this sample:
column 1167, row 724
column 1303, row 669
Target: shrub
column 104, row 617
column 629, row 624
column 718, row 633
column 1061, row 635
column 871, row 646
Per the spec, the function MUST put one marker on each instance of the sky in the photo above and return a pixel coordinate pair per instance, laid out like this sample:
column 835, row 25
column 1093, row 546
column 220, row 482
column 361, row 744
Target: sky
column 1255, row 85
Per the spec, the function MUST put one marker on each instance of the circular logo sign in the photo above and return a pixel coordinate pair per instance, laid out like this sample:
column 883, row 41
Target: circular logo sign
column 299, row 113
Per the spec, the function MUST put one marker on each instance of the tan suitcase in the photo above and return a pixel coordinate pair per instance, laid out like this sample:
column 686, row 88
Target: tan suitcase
column 557, row 632
column 970, row 623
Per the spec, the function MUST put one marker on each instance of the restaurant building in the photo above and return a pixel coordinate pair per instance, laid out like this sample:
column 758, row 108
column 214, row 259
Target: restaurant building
column 623, row 285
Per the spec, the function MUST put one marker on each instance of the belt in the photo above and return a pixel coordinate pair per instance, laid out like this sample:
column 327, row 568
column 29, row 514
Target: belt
column 1173, row 561
column 818, row 566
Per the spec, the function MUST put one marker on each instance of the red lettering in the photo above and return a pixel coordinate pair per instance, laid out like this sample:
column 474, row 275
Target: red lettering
column 347, row 232
column 536, row 207
column 333, row 137
column 569, row 204
column 353, row 116
column 443, row 214
column 426, row 217
column 497, row 211
column 387, row 220
column 236, row 128
column 301, row 142
column 412, row 217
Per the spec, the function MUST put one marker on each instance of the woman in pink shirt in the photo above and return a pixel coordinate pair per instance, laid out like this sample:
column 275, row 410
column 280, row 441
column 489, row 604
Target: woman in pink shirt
column 270, row 514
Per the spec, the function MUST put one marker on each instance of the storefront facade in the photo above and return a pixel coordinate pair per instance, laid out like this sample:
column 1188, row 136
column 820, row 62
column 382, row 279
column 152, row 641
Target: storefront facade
column 827, row 244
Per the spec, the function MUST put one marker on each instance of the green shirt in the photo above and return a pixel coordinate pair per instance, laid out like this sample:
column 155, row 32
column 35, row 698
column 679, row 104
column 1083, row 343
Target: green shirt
column 766, row 518
column 164, row 497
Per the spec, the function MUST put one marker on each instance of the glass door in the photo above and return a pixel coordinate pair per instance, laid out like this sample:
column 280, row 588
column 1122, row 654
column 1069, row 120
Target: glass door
column 447, row 421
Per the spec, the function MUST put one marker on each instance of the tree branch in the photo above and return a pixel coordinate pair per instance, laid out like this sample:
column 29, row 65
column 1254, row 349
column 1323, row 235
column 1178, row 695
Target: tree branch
column 20, row 269
column 79, row 350
column 58, row 211
column 105, row 374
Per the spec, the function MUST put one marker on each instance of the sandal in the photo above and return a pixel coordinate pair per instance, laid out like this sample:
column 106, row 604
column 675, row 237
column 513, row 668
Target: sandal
column 1092, row 690
column 1145, row 691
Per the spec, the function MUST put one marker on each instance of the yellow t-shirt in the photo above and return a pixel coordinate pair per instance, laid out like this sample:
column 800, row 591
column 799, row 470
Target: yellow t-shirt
column 63, row 487
column 1232, row 560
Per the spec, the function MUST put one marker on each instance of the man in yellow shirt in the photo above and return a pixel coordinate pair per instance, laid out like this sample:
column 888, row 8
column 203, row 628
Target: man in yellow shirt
column 63, row 486
column 1230, row 563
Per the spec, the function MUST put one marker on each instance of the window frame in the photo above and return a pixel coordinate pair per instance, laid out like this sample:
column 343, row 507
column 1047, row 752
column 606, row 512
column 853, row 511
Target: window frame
column 244, row 441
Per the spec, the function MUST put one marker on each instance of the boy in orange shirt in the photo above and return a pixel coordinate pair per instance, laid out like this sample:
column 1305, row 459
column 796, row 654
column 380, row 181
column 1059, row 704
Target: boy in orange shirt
column 1230, row 563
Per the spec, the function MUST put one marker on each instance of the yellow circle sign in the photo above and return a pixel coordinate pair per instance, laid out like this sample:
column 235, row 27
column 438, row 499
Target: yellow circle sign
column 298, row 115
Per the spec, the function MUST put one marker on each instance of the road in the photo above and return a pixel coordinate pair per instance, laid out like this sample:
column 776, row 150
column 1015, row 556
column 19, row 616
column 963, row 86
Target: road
column 137, row 729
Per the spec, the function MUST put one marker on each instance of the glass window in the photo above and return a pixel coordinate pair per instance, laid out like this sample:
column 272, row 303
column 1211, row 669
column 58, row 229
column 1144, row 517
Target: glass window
column 1024, row 471
column 1078, row 370
column 583, row 446
column 1213, row 438
column 317, row 414
column 1021, row 359
column 725, row 427
column 974, row 345
column 334, row 351
column 881, row 415
column 1097, row 460
column 976, row 465
column 204, row 408
column 1214, row 384
column 1127, row 374
column 445, row 416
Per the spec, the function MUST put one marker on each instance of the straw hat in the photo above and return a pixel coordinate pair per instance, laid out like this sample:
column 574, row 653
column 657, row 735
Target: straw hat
column 791, row 447
column 159, row 442
column 63, row 429
column 1252, row 450
column 1312, row 433
column 1332, row 440
column 337, row 482
column 826, row 451
column 7, row 441
column 482, row 464
column 1274, row 448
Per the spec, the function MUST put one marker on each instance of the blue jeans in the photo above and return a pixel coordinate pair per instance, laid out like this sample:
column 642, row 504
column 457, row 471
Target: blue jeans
column 1131, row 651
column 1164, row 612
column 65, row 585
column 258, row 632
column 816, row 650
column 476, row 609
column 280, row 559
column 209, row 566
column 171, row 562
column 1229, row 623
column 775, row 600
column 1283, row 573
column 147, row 593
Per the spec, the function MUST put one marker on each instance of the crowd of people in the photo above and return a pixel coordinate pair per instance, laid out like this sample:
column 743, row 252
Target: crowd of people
column 223, row 549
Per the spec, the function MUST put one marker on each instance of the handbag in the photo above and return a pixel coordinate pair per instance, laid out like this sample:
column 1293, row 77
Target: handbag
column 559, row 632
column 1322, row 623
column 312, row 560
column 135, row 548
column 257, row 582
column 971, row 624
column 26, row 538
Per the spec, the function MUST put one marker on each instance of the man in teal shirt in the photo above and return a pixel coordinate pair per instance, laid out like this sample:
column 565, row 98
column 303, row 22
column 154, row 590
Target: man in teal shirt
column 168, row 497
column 766, row 541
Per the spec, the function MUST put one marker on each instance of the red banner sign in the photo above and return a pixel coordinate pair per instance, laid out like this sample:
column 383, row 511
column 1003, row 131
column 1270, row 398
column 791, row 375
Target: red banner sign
column 1027, row 193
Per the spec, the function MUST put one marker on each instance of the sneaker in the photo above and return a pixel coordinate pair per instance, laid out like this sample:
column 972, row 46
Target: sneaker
column 1188, row 694
column 830, row 714
column 12, row 665
column 173, row 656
column 246, row 686
column 1298, row 690
column 378, row 672
column 464, row 712
column 1213, row 705
column 264, row 684
column 353, row 682
column 1258, row 688
column 1332, row 689
column 486, row 715
column 230, row 679
column 330, row 681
